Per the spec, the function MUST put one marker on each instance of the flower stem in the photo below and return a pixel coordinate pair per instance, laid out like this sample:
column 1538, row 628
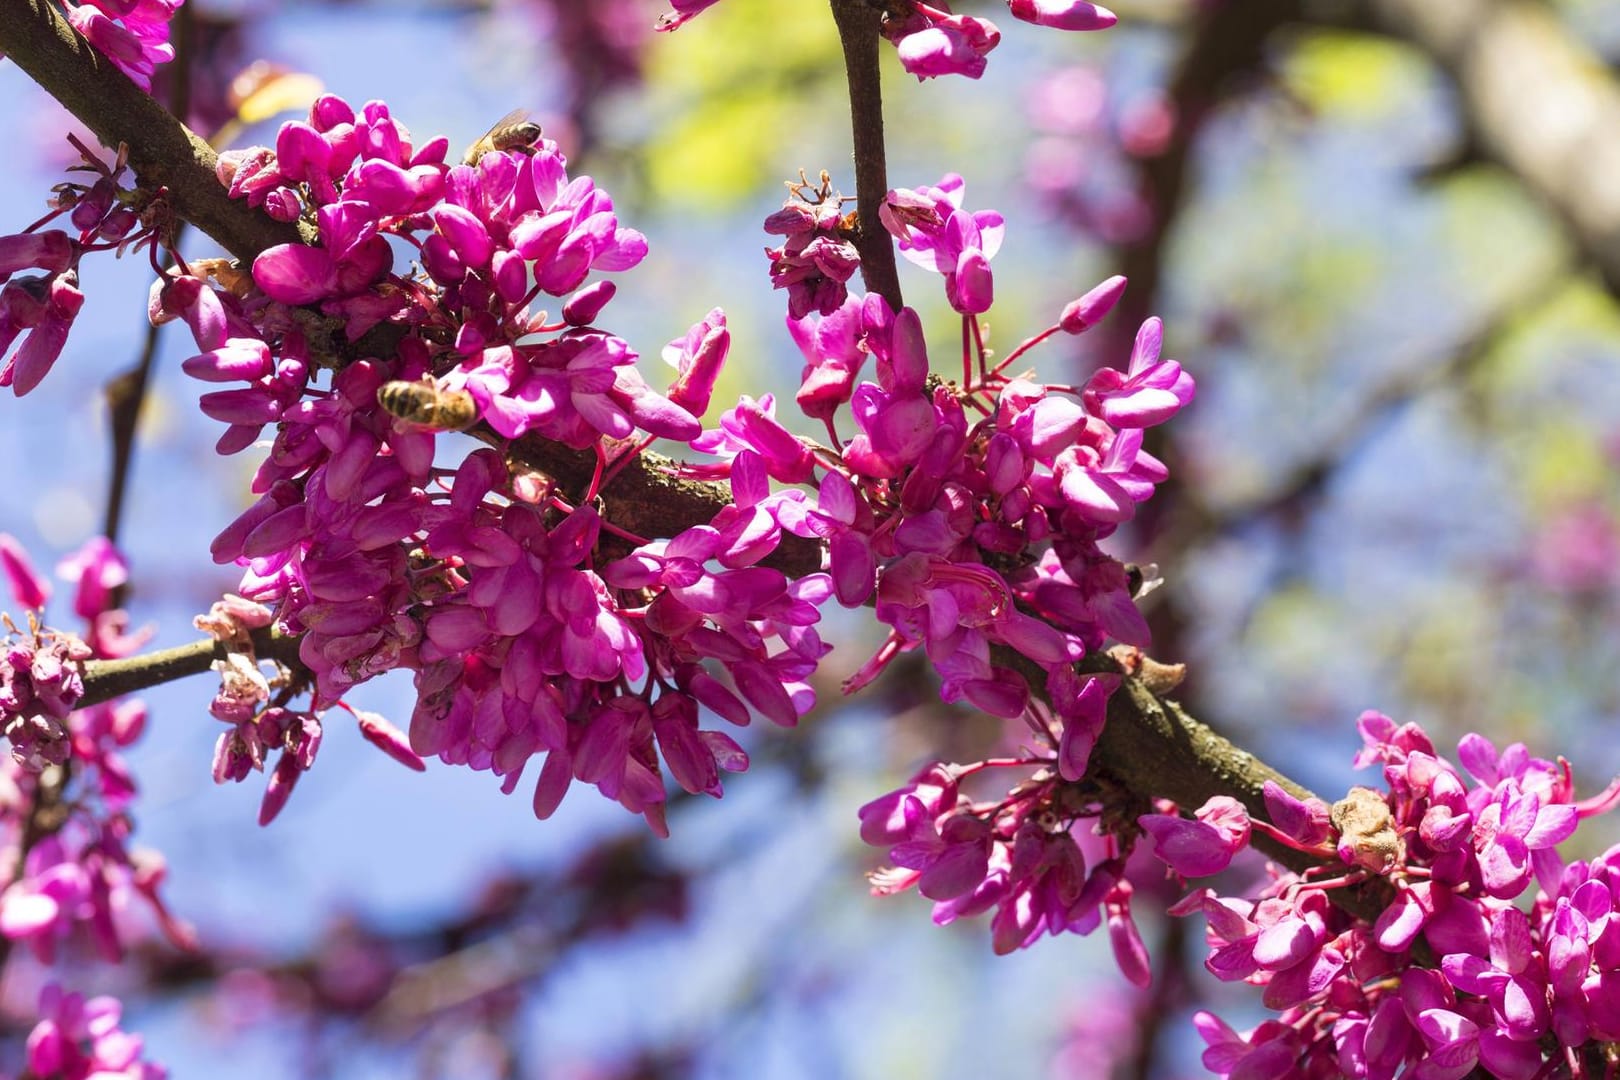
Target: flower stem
column 858, row 32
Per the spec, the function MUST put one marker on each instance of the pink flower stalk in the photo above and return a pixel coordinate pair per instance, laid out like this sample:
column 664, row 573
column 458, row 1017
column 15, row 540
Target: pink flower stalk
column 971, row 513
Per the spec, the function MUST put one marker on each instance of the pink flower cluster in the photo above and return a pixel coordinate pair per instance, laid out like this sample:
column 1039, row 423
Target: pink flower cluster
column 40, row 679
column 1018, row 856
column 490, row 584
column 77, row 1039
column 75, row 877
column 970, row 514
column 38, row 309
column 133, row 34
column 40, row 684
column 933, row 41
column 1492, row 953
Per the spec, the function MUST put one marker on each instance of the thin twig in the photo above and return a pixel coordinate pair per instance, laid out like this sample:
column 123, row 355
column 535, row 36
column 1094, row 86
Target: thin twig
column 108, row 679
column 125, row 392
column 858, row 25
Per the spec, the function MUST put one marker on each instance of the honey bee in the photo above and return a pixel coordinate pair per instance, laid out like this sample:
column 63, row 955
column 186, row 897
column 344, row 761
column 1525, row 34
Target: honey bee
column 514, row 131
column 426, row 405
column 231, row 276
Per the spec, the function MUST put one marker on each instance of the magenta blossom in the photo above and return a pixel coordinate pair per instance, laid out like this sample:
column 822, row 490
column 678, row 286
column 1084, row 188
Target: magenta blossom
column 935, row 233
column 77, row 1039
column 133, row 34
column 1063, row 14
column 1204, row 845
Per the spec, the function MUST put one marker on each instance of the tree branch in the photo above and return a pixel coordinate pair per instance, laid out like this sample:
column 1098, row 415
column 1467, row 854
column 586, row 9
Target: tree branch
column 858, row 24
column 107, row 679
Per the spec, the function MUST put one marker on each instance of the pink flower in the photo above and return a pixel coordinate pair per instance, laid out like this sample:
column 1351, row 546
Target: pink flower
column 77, row 1039
column 697, row 358
column 99, row 569
column 1063, row 14
column 935, row 44
column 45, row 308
column 1151, row 392
column 835, row 347
column 30, row 589
column 1089, row 310
column 1205, row 845
column 137, row 43
column 51, row 251
column 935, row 233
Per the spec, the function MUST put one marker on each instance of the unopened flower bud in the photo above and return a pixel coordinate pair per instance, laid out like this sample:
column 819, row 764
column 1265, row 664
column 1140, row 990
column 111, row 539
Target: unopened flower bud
column 1082, row 314
column 584, row 306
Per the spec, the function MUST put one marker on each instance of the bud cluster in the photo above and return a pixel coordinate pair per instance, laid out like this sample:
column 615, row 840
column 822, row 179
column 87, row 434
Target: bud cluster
column 38, row 310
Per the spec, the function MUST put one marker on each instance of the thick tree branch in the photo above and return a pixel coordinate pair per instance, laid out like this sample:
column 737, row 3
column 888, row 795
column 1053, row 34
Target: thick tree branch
column 1539, row 100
